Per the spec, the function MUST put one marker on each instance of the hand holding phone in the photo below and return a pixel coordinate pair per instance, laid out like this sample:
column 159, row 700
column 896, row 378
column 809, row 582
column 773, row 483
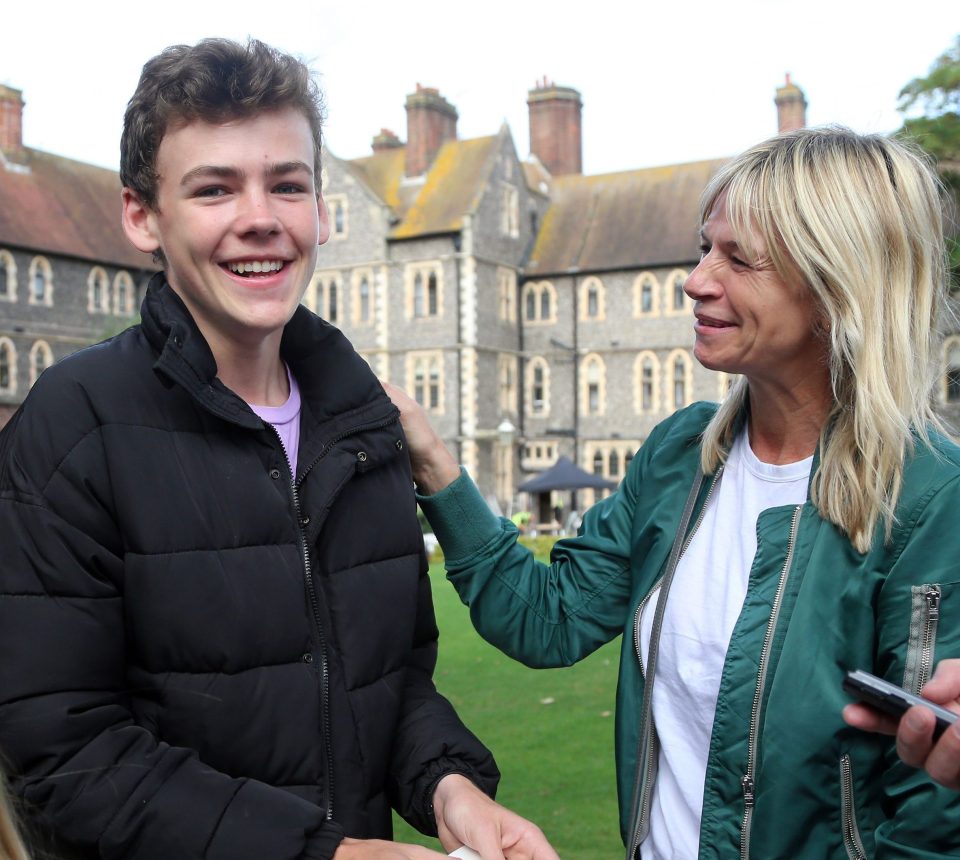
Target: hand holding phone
column 893, row 700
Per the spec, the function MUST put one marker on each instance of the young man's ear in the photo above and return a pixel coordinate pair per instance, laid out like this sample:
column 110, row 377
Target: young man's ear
column 139, row 222
column 324, row 220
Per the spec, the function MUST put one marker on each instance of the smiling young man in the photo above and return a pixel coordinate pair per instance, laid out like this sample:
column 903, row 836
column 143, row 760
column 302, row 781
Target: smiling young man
column 216, row 631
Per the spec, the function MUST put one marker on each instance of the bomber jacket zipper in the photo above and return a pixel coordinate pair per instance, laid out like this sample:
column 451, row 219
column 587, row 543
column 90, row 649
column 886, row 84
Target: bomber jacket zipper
column 647, row 745
column 748, row 780
column 313, row 596
column 932, row 600
column 848, row 813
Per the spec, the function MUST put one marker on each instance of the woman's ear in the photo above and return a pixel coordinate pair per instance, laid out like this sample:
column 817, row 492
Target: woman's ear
column 139, row 222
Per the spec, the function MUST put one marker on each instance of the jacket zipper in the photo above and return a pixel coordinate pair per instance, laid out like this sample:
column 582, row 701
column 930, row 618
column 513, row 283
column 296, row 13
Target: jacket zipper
column 932, row 600
column 848, row 813
column 748, row 780
column 312, row 594
column 648, row 742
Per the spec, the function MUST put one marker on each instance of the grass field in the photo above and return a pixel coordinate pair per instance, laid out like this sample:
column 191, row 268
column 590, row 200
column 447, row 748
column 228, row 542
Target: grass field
column 551, row 731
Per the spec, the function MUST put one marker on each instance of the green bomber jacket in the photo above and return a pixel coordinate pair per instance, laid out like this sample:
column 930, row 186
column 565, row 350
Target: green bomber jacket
column 786, row 777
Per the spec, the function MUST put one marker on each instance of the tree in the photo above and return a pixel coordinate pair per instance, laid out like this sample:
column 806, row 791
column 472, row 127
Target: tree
column 937, row 129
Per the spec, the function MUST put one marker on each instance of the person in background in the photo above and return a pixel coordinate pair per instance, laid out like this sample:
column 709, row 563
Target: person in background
column 757, row 549
column 914, row 730
column 217, row 638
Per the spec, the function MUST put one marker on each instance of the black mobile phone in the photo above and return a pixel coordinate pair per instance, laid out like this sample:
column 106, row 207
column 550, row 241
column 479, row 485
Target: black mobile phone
column 892, row 699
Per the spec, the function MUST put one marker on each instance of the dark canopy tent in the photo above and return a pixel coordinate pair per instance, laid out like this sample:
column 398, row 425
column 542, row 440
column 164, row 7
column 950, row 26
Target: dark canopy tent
column 562, row 475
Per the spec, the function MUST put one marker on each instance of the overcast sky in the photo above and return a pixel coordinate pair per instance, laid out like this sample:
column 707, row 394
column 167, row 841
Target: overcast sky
column 661, row 82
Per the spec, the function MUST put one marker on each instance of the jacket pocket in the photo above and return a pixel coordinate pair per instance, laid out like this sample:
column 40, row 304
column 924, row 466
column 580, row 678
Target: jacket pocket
column 922, row 641
column 848, row 812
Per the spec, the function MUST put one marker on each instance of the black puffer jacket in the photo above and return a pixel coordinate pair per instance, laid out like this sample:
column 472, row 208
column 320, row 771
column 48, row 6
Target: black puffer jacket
column 190, row 644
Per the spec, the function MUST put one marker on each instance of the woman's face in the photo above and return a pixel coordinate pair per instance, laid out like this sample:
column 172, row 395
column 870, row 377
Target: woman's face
column 748, row 319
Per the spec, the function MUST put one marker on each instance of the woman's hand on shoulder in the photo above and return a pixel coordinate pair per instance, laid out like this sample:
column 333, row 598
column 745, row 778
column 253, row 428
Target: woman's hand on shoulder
column 434, row 467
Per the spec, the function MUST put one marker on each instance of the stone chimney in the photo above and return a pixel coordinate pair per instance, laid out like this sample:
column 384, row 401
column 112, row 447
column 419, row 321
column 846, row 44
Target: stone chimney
column 11, row 118
column 791, row 107
column 386, row 140
column 555, row 129
column 431, row 122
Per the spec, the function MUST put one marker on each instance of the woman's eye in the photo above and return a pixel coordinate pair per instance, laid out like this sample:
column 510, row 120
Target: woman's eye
column 704, row 250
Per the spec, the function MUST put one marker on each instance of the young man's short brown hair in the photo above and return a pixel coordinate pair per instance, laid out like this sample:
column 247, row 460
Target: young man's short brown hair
column 216, row 80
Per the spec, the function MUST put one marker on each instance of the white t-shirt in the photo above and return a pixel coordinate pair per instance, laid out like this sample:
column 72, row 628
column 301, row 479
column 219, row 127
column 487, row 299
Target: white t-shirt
column 706, row 596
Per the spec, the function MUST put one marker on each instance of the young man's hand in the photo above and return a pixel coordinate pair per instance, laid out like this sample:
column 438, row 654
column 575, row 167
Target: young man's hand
column 434, row 467
column 466, row 816
column 378, row 849
column 914, row 730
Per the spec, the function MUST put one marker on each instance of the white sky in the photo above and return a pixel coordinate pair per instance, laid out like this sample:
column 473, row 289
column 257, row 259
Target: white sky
column 664, row 82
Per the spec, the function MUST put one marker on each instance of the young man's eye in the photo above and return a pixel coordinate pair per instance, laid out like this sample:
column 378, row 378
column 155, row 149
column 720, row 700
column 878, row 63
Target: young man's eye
column 210, row 191
column 289, row 188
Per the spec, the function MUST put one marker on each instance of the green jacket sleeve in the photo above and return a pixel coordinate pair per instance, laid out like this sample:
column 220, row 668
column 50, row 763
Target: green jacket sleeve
column 925, row 818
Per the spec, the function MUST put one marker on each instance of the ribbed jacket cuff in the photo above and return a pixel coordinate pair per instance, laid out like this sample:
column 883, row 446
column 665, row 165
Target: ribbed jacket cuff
column 461, row 519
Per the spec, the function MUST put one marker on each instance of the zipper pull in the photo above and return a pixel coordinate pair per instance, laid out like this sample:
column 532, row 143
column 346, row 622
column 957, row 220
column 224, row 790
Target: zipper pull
column 933, row 603
column 747, row 785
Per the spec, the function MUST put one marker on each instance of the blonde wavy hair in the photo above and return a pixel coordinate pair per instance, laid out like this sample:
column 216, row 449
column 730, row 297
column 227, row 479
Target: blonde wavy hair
column 859, row 219
column 11, row 846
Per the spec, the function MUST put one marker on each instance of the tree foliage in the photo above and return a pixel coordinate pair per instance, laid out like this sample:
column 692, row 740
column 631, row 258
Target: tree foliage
column 931, row 105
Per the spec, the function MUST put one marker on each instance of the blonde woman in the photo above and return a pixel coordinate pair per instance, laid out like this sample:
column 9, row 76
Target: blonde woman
column 757, row 550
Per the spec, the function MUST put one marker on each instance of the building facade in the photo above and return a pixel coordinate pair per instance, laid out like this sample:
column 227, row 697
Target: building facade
column 68, row 275
column 534, row 311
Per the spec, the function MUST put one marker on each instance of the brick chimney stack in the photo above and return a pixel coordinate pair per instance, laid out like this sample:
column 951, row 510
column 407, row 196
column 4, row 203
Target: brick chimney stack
column 431, row 122
column 555, row 127
column 386, row 140
column 791, row 107
column 11, row 118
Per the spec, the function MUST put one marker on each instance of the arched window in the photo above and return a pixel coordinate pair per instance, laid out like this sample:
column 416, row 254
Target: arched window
column 598, row 463
column 680, row 379
column 418, row 295
column 538, row 386
column 339, row 218
column 614, row 465
column 646, row 372
column 432, row 300
column 98, row 300
column 123, row 294
column 8, row 366
column 333, row 301
column 646, row 292
column 593, row 390
column 679, row 296
column 364, row 300
column 41, row 282
column 41, row 357
column 592, row 300
column 8, row 277
column 530, row 302
column 546, row 309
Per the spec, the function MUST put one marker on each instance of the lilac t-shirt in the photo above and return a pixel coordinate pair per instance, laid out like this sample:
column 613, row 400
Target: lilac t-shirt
column 286, row 421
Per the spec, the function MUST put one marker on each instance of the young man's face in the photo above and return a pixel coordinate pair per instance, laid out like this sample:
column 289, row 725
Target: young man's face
column 238, row 220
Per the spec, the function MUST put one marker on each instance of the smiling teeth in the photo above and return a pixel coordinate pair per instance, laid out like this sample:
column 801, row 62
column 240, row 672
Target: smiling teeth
column 256, row 266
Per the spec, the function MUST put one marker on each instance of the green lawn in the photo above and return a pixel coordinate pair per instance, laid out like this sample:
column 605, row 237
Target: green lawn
column 551, row 731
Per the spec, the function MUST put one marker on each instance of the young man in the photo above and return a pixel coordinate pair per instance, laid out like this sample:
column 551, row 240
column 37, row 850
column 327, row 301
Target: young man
column 216, row 629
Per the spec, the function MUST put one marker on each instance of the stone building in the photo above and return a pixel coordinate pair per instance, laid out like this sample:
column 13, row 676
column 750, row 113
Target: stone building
column 68, row 275
column 534, row 311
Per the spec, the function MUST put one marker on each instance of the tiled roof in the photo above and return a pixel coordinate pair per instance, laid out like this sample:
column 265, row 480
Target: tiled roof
column 636, row 219
column 450, row 191
column 436, row 203
column 54, row 205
